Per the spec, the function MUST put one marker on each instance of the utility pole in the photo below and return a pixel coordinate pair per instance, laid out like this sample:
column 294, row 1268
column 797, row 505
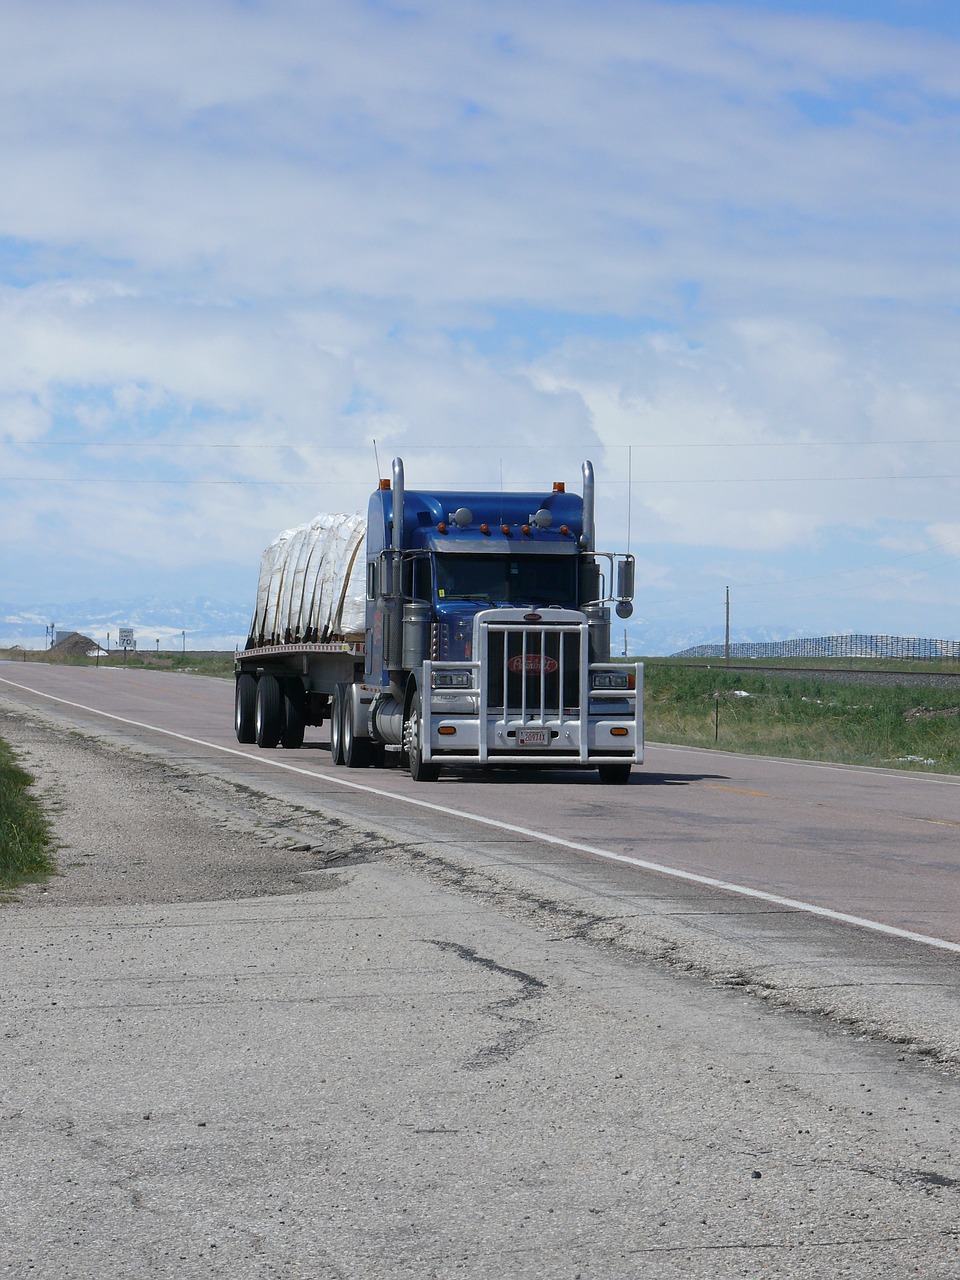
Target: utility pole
column 726, row 647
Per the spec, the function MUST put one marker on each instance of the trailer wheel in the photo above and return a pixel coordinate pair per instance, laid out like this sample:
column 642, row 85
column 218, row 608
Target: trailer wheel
column 614, row 774
column 269, row 716
column 420, row 771
column 357, row 752
column 294, row 712
column 245, row 715
column 336, row 725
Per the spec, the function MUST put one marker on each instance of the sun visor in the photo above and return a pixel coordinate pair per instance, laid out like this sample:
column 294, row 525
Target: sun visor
column 443, row 544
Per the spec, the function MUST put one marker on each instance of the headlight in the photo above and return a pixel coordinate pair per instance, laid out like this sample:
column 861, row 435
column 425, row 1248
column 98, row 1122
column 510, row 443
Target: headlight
column 452, row 680
column 612, row 680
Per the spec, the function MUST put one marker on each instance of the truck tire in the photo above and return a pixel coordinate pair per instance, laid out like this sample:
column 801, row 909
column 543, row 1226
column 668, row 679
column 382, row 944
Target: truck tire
column 420, row 771
column 357, row 752
column 245, row 714
column 615, row 773
column 336, row 725
column 269, row 716
column 294, row 713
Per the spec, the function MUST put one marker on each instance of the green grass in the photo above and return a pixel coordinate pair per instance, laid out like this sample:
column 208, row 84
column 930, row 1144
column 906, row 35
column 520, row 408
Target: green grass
column 906, row 728
column 200, row 662
column 25, row 840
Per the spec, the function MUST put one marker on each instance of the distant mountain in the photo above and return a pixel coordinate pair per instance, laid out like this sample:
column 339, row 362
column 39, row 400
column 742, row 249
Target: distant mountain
column 666, row 639
column 206, row 623
column 201, row 623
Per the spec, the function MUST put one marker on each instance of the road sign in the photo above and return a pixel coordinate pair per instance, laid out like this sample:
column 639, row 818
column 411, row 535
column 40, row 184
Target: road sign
column 125, row 638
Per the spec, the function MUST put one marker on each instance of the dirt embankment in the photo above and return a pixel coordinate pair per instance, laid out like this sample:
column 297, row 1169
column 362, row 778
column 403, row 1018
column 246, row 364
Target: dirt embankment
column 136, row 828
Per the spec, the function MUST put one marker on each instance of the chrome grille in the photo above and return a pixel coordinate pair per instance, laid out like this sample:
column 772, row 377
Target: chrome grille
column 533, row 673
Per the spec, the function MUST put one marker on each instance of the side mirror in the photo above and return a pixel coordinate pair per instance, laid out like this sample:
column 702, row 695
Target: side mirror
column 626, row 576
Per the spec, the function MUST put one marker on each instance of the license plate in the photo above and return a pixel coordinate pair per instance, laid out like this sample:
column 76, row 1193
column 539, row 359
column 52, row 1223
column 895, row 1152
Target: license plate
column 533, row 737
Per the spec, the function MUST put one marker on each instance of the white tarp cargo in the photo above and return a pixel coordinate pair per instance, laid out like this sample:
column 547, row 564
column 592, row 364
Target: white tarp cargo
column 312, row 584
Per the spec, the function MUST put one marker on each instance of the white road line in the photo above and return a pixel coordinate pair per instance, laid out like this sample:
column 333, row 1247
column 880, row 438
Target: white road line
column 688, row 877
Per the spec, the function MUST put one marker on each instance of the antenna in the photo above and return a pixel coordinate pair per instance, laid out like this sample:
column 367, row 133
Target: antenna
column 376, row 456
column 629, row 492
column 501, row 490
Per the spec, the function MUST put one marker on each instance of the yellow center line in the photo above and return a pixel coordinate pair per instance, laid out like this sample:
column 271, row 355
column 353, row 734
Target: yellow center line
column 742, row 791
column 739, row 790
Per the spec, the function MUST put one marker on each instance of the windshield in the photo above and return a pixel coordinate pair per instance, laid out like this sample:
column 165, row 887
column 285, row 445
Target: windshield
column 519, row 580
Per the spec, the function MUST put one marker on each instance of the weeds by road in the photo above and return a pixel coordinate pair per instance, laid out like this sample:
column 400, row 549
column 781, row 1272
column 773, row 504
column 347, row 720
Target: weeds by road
column 25, row 841
column 198, row 662
column 907, row 728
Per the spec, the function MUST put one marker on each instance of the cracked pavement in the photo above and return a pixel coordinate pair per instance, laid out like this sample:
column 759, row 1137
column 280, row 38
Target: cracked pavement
column 243, row 1038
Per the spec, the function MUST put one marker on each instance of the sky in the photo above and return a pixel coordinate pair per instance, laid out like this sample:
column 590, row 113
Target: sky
column 250, row 250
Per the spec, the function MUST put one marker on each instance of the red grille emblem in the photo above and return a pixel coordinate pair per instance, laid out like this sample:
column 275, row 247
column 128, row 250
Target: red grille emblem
column 533, row 663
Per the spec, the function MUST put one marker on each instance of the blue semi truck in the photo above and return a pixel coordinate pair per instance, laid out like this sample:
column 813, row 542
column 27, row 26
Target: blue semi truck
column 446, row 630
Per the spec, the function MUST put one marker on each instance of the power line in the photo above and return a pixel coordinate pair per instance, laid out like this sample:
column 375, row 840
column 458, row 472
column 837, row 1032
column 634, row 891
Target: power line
column 764, row 591
column 711, row 480
column 450, row 448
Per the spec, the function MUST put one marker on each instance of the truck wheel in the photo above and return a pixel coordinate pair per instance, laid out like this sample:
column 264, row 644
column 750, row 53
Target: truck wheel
column 336, row 725
column 269, row 718
column 420, row 771
column 294, row 712
column 614, row 774
column 357, row 752
column 245, row 715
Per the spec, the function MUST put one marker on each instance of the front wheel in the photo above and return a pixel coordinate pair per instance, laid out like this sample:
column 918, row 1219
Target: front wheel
column 615, row 774
column 420, row 770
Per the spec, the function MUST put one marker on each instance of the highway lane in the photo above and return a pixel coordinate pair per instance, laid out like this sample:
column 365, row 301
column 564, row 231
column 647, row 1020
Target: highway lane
column 882, row 846
column 458, row 1049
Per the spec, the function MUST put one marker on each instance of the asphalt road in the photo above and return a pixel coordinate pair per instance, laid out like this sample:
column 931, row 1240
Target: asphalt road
column 879, row 845
column 280, row 1020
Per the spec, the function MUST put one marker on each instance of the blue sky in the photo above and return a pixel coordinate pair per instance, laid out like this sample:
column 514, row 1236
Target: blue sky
column 712, row 246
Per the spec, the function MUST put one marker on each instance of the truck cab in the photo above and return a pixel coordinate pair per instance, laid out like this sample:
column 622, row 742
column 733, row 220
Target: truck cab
column 488, row 632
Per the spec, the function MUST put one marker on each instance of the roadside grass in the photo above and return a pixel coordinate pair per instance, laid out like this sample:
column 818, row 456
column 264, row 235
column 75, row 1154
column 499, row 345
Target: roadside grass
column 893, row 726
column 25, row 838
column 199, row 662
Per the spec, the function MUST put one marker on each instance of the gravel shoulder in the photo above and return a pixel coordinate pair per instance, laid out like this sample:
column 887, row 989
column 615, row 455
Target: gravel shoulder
column 138, row 827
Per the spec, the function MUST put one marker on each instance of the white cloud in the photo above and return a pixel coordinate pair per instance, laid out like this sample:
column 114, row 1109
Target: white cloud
column 664, row 226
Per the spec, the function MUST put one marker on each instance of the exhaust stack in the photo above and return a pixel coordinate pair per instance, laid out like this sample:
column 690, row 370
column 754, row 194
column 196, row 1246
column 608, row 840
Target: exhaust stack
column 589, row 499
column 397, row 540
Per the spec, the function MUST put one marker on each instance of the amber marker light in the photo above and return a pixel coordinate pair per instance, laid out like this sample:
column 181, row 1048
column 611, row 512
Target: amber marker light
column 384, row 484
column 447, row 730
column 618, row 732
column 504, row 528
column 559, row 486
column 442, row 527
column 524, row 528
column 484, row 528
column 564, row 528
